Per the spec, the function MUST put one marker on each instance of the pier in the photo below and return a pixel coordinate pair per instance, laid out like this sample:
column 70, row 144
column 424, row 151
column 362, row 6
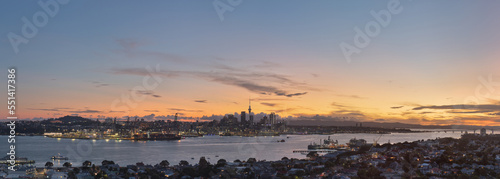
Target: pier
column 317, row 151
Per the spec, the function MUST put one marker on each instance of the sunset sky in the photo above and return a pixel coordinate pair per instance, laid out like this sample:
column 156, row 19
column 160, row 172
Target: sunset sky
column 435, row 62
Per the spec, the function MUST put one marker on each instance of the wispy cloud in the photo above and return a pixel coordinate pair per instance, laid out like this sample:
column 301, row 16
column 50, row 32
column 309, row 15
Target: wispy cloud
column 337, row 105
column 201, row 101
column 351, row 96
column 325, row 118
column 148, row 93
column 462, row 106
column 151, row 111
column 469, row 112
column 272, row 99
column 287, row 110
column 99, row 84
column 426, row 112
column 48, row 109
column 348, row 112
column 248, row 84
column 184, row 110
column 396, row 107
column 127, row 44
column 85, row 111
column 268, row 104
column 248, row 80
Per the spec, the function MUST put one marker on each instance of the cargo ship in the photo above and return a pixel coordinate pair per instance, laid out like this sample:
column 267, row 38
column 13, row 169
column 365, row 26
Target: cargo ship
column 18, row 160
column 326, row 144
column 155, row 136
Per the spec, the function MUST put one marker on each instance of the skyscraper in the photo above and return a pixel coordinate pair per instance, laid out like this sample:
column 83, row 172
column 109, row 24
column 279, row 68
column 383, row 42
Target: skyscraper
column 243, row 117
column 272, row 118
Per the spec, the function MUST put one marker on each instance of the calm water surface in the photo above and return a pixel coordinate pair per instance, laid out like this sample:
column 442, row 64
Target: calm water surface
column 126, row 152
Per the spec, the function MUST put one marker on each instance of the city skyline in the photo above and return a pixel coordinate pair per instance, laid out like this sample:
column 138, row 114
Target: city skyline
column 432, row 63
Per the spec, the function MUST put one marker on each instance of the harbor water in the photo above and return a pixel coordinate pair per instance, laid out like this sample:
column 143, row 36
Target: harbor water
column 213, row 148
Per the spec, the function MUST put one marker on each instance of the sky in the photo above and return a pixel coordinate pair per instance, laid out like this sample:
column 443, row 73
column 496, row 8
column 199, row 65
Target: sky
column 430, row 62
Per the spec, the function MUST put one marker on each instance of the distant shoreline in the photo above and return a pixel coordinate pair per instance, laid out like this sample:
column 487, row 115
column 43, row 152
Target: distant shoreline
column 411, row 131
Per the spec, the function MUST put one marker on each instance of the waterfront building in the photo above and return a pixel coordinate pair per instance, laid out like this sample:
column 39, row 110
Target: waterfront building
column 483, row 131
column 272, row 118
column 243, row 117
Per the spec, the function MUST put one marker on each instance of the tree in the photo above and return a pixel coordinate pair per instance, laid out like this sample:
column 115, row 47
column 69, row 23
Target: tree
column 71, row 174
column 203, row 162
column 373, row 172
column 87, row 163
column 251, row 160
column 312, row 155
column 204, row 168
column 183, row 163
column 221, row 162
column 49, row 164
column 189, row 171
column 67, row 164
column 164, row 163
column 329, row 164
column 107, row 162
column 362, row 173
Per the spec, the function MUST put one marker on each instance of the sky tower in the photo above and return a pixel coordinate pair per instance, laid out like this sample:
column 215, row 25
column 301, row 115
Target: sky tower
column 249, row 107
column 250, row 116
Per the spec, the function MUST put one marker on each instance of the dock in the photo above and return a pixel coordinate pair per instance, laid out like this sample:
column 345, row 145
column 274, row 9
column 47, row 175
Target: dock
column 317, row 151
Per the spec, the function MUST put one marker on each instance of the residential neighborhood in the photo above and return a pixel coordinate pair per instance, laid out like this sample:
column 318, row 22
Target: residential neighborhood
column 472, row 156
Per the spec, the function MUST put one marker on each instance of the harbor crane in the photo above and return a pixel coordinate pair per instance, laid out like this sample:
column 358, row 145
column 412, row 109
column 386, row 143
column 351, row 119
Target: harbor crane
column 375, row 141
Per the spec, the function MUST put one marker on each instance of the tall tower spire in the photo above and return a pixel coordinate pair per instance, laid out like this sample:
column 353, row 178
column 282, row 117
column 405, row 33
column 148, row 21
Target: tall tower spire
column 249, row 107
column 250, row 116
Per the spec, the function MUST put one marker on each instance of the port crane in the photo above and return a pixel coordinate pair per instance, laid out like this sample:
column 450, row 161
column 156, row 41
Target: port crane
column 375, row 141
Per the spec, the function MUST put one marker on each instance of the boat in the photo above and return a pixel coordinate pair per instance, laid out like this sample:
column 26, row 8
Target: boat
column 18, row 160
column 327, row 144
column 192, row 135
column 226, row 134
column 357, row 142
column 156, row 136
column 59, row 157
